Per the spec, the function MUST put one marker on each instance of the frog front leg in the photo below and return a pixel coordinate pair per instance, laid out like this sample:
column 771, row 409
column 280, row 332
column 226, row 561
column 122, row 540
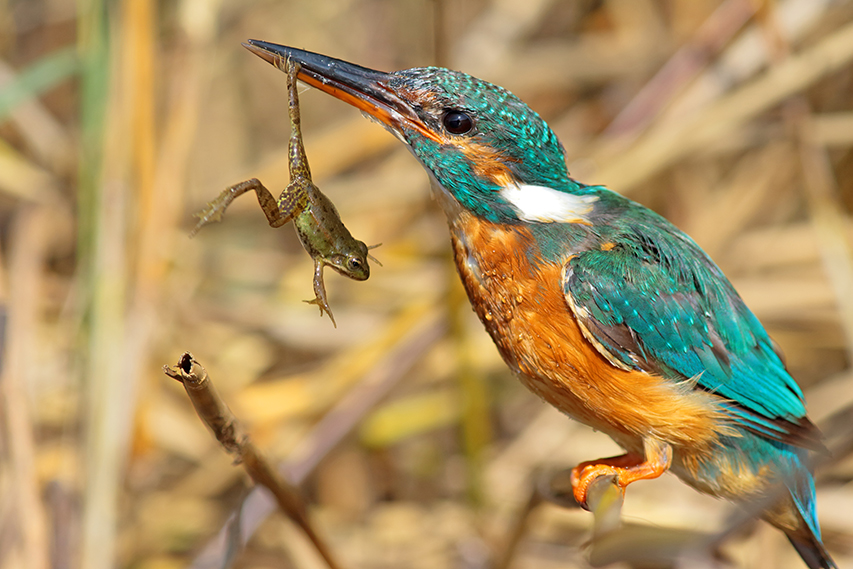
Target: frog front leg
column 320, row 292
column 215, row 209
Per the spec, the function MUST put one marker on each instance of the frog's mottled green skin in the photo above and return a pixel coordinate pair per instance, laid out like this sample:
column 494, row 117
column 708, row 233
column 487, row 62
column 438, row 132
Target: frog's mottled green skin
column 317, row 223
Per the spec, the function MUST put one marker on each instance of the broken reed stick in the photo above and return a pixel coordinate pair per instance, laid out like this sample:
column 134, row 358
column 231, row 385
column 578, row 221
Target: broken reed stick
column 425, row 329
column 604, row 500
column 213, row 411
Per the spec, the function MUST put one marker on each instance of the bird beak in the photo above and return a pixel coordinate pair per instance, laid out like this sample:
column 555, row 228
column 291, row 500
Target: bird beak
column 363, row 88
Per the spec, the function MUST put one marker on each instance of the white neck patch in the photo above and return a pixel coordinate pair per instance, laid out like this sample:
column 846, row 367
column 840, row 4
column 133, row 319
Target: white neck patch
column 538, row 203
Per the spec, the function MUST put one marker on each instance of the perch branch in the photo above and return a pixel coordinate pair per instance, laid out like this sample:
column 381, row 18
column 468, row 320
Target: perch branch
column 604, row 500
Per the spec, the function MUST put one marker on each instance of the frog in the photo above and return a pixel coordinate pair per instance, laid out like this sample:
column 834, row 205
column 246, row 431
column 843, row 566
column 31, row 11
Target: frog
column 318, row 224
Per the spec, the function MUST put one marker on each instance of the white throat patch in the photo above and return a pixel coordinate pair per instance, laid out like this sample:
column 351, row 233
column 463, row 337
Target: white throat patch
column 538, row 203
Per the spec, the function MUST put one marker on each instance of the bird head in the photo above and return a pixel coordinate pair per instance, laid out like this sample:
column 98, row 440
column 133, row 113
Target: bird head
column 481, row 144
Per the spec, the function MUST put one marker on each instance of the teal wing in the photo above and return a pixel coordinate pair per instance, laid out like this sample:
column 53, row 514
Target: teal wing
column 653, row 301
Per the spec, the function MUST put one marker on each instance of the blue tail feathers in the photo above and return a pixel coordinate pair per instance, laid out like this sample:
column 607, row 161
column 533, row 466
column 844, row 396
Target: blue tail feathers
column 807, row 541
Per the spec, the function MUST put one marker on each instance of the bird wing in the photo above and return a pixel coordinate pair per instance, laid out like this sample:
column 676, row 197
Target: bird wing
column 652, row 300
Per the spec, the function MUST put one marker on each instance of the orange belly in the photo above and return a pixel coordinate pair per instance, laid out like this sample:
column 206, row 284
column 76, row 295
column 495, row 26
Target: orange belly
column 524, row 310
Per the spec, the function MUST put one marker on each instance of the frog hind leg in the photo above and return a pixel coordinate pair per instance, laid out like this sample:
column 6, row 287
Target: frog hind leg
column 320, row 293
column 215, row 209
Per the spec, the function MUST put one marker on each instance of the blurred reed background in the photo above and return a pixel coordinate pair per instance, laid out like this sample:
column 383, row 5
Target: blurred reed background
column 119, row 119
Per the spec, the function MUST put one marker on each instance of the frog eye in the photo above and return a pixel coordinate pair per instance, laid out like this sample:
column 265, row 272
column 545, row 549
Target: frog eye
column 354, row 263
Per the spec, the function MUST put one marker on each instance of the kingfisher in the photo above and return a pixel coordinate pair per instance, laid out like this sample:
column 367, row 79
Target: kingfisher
column 599, row 305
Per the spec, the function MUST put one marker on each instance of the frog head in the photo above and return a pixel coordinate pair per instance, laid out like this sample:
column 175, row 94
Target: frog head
column 352, row 260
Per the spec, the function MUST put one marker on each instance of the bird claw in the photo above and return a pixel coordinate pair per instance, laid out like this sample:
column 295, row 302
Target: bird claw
column 625, row 469
column 621, row 467
column 584, row 475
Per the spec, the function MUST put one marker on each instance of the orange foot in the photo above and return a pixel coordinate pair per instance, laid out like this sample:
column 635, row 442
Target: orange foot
column 626, row 468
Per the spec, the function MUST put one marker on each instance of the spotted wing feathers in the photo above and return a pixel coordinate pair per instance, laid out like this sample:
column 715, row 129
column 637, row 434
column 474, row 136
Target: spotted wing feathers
column 653, row 301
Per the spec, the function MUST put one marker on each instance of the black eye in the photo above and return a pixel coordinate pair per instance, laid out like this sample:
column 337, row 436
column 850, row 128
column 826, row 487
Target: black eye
column 457, row 122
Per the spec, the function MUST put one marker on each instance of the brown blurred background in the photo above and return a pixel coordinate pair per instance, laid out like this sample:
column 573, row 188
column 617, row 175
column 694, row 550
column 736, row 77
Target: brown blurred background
column 414, row 445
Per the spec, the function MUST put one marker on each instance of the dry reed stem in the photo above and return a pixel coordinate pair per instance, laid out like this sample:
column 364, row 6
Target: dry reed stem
column 293, row 396
column 111, row 370
column 683, row 66
column 21, row 179
column 19, row 363
column 43, row 134
column 829, row 221
column 665, row 144
column 491, row 38
column 833, row 129
column 748, row 54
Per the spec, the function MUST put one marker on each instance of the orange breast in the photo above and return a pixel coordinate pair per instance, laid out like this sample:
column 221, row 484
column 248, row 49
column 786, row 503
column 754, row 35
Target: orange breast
column 520, row 301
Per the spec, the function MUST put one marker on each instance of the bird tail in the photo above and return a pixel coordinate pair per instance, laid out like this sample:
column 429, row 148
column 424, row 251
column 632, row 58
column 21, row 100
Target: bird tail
column 806, row 538
column 813, row 552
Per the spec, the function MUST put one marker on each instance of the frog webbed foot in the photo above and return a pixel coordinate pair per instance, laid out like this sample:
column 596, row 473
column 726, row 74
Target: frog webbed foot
column 324, row 307
column 211, row 213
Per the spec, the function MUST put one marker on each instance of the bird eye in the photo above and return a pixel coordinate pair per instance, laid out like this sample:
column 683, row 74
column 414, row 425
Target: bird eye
column 457, row 122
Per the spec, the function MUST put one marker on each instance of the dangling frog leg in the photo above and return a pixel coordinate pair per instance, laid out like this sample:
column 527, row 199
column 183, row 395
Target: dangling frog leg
column 320, row 292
